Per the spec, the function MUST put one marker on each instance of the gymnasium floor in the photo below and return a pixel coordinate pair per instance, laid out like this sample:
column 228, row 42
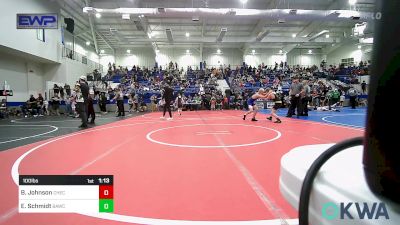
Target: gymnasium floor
column 201, row 168
column 23, row 131
column 346, row 117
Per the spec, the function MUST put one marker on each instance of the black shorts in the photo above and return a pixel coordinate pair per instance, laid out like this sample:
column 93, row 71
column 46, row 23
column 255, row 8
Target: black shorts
column 277, row 106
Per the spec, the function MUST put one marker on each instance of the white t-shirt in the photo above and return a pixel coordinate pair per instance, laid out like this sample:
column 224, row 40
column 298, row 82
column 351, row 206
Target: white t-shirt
column 79, row 97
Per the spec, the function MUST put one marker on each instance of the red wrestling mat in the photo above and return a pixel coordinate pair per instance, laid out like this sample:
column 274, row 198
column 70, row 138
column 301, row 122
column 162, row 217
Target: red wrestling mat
column 201, row 168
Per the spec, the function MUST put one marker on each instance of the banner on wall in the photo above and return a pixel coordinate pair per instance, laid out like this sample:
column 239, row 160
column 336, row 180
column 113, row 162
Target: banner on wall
column 37, row 21
column 62, row 35
column 265, row 104
column 6, row 93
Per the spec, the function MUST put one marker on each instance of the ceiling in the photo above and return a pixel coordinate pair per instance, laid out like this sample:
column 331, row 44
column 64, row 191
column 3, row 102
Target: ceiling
column 111, row 32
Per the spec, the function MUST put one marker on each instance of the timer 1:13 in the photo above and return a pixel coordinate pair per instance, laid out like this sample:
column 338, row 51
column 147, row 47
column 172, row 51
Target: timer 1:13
column 105, row 180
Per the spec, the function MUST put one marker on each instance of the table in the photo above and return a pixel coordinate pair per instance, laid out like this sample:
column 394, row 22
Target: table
column 339, row 184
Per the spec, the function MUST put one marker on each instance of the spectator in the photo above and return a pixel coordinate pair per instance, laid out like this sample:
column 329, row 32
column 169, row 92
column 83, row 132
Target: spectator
column 3, row 109
column 103, row 103
column 91, row 112
column 143, row 106
column 335, row 96
column 73, row 99
column 82, row 100
column 130, row 103
column 120, row 102
column 167, row 96
column 55, row 104
column 353, row 96
column 342, row 99
column 316, row 97
column 40, row 101
column 136, row 102
column 305, row 98
column 56, row 89
column 61, row 92
column 68, row 107
column 153, row 100
column 46, row 109
column 364, row 87
column 27, row 110
column 213, row 103
column 33, row 104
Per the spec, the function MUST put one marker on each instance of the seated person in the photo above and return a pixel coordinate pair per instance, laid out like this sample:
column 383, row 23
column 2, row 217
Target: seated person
column 143, row 107
column 329, row 108
column 219, row 103
column 27, row 109
column 3, row 109
column 3, row 104
column 33, row 102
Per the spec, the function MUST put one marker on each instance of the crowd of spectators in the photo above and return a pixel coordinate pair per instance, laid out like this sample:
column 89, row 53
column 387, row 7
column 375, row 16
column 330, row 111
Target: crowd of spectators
column 141, row 87
column 144, row 86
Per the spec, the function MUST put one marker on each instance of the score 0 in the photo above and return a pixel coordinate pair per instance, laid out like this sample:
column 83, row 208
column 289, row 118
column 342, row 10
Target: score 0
column 106, row 201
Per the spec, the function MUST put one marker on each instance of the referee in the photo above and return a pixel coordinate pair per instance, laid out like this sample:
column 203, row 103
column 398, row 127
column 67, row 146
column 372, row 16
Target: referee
column 168, row 97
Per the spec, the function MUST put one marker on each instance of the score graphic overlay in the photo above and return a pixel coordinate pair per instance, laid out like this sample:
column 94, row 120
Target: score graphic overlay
column 66, row 193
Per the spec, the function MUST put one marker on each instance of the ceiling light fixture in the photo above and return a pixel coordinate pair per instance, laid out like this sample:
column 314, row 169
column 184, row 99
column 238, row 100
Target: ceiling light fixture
column 349, row 14
column 126, row 16
column 128, row 51
column 352, row 2
column 219, row 51
column 294, row 35
column 102, row 51
column 88, row 9
column 88, row 43
column 187, row 34
column 98, row 15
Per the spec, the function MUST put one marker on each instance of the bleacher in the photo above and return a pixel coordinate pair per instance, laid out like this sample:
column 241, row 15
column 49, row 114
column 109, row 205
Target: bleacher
column 148, row 83
column 241, row 80
column 266, row 79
